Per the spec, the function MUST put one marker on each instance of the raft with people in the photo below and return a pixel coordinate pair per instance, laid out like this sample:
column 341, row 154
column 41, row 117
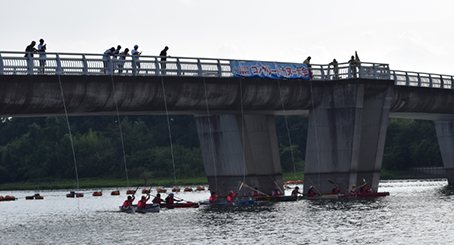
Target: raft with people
column 149, row 208
column 220, row 204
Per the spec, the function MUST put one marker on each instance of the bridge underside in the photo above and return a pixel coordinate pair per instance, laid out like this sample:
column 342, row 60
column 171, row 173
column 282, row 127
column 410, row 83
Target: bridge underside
column 347, row 119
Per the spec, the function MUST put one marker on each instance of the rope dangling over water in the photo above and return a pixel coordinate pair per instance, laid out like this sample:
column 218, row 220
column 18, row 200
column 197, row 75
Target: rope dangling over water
column 316, row 135
column 170, row 131
column 211, row 134
column 70, row 135
column 121, row 132
column 242, row 130
column 288, row 130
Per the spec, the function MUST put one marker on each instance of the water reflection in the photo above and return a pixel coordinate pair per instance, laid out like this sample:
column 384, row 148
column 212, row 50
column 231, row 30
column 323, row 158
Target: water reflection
column 415, row 211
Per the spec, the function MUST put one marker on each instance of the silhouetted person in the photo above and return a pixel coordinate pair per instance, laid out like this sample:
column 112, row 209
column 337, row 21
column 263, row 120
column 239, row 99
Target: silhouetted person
column 30, row 49
column 42, row 55
column 163, row 55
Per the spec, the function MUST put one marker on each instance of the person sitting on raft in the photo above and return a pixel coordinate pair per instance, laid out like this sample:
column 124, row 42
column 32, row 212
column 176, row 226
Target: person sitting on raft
column 143, row 202
column 365, row 189
column 169, row 199
column 213, row 197
column 311, row 192
column 296, row 191
column 335, row 190
column 276, row 192
column 255, row 192
column 128, row 203
column 354, row 190
column 158, row 199
column 231, row 197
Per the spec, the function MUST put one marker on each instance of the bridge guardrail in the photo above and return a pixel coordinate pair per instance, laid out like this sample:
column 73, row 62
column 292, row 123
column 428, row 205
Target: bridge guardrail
column 21, row 63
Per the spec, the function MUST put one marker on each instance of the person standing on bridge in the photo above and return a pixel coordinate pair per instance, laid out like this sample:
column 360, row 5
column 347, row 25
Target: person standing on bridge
column 114, row 57
column 335, row 68
column 307, row 61
column 105, row 58
column 42, row 55
column 135, row 54
column 122, row 59
column 30, row 49
column 163, row 55
column 354, row 63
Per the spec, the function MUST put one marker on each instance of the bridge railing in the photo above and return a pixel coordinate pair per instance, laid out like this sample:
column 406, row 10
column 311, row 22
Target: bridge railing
column 420, row 79
column 21, row 63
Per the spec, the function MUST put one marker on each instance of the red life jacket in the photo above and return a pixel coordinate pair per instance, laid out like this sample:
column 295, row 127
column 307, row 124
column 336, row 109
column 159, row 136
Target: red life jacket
column 311, row 193
column 254, row 194
column 230, row 197
column 335, row 191
column 214, row 199
column 295, row 193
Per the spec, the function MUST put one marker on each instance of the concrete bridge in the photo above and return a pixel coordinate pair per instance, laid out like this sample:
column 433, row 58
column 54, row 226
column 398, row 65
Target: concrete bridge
column 348, row 108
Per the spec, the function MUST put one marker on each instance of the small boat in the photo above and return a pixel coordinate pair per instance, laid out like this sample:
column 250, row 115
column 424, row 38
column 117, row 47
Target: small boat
column 150, row 208
column 175, row 189
column 200, row 188
column 97, row 193
column 130, row 192
column 115, row 193
column 248, row 202
column 74, row 194
column 146, row 191
column 374, row 194
column 180, row 205
column 322, row 197
column 161, row 190
column 188, row 189
column 281, row 198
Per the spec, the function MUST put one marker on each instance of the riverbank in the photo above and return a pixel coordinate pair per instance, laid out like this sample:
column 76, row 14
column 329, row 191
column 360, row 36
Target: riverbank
column 113, row 183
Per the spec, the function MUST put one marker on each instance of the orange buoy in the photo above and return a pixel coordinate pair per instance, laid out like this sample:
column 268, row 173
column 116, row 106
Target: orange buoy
column 97, row 193
column 146, row 191
column 69, row 195
column 39, row 197
column 188, row 189
column 10, row 198
column 200, row 188
column 29, row 197
column 130, row 192
column 299, row 181
column 79, row 194
column 2, row 198
column 115, row 193
column 161, row 190
column 176, row 189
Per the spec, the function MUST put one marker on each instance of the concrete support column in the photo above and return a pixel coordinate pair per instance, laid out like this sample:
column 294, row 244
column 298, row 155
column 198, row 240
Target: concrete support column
column 346, row 137
column 237, row 149
column 445, row 135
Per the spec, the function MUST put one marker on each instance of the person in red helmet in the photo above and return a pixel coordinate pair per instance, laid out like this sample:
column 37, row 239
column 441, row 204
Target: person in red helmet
column 231, row 197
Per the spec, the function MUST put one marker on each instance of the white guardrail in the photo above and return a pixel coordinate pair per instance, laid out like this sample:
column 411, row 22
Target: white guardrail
column 21, row 63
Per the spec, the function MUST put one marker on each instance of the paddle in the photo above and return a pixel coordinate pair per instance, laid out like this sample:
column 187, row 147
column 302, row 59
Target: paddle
column 283, row 193
column 314, row 186
column 243, row 184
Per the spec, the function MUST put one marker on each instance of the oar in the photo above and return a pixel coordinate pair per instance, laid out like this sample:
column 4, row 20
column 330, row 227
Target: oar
column 243, row 184
column 314, row 186
column 283, row 193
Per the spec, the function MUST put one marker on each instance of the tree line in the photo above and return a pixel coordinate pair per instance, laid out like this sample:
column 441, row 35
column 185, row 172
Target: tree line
column 40, row 149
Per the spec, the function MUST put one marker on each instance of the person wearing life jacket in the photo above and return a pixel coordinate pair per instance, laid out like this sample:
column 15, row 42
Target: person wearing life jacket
column 354, row 190
column 143, row 202
column 213, row 197
column 335, row 190
column 231, row 197
column 295, row 191
column 276, row 192
column 128, row 203
column 158, row 199
column 169, row 199
column 255, row 193
column 311, row 192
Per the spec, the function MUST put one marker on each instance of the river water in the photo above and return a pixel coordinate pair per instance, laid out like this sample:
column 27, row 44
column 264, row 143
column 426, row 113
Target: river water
column 415, row 212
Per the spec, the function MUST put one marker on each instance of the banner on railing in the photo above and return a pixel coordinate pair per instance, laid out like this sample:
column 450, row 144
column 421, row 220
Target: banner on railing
column 269, row 70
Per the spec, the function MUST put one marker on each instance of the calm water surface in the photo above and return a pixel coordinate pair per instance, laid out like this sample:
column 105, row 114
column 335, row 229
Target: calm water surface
column 416, row 212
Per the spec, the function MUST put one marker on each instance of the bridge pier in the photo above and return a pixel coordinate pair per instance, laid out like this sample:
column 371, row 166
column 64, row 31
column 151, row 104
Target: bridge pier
column 232, row 155
column 445, row 136
column 346, row 137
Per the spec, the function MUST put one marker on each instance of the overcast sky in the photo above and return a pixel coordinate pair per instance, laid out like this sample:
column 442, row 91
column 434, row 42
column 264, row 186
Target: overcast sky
column 410, row 35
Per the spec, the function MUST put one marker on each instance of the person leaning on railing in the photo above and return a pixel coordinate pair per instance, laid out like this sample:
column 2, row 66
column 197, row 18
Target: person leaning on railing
column 42, row 55
column 307, row 61
column 30, row 49
column 335, row 69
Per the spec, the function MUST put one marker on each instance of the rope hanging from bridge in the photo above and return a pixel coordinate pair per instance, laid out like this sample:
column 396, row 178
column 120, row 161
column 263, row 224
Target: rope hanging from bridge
column 70, row 136
column 170, row 131
column 211, row 135
column 121, row 132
